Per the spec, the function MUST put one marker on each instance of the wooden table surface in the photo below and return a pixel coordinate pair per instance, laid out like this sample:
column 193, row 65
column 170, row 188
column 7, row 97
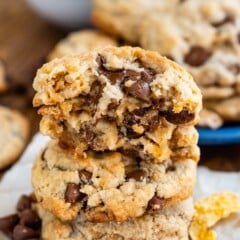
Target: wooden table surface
column 26, row 39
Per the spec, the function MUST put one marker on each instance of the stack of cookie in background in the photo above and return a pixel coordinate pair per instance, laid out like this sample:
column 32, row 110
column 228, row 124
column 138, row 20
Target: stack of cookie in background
column 122, row 162
column 201, row 35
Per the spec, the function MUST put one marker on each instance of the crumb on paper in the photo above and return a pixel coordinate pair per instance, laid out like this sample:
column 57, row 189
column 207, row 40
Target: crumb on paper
column 208, row 211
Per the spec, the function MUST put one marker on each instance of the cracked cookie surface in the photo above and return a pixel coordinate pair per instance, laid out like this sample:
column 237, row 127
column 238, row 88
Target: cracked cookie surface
column 108, row 186
column 124, row 99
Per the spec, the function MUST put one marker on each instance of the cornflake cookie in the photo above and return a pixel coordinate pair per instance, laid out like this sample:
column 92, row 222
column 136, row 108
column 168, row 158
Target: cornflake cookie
column 204, row 37
column 3, row 84
column 14, row 132
column 170, row 224
column 81, row 41
column 122, row 18
column 108, row 186
column 125, row 99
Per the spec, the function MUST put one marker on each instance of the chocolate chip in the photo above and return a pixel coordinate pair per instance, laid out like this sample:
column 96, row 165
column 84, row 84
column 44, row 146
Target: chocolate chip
column 141, row 90
column 8, row 223
column 179, row 118
column 21, row 232
column 72, row 194
column 138, row 175
column 197, row 56
column 235, row 68
column 24, row 203
column 227, row 19
column 63, row 145
column 30, row 218
column 85, row 176
column 156, row 203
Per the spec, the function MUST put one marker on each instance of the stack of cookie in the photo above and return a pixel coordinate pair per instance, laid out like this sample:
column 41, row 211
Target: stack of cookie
column 201, row 35
column 122, row 162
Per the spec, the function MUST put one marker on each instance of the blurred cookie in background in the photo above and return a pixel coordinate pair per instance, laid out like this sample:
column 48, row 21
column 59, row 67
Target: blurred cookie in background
column 203, row 36
column 81, row 41
column 14, row 133
column 3, row 83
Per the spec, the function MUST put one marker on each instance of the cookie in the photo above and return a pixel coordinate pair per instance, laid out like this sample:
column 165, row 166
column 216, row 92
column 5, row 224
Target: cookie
column 171, row 224
column 210, row 119
column 204, row 37
column 122, row 18
column 116, row 99
column 228, row 109
column 14, row 132
column 108, row 186
column 79, row 42
column 3, row 83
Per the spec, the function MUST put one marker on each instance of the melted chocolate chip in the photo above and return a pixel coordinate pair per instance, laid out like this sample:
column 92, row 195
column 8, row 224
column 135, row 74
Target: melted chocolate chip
column 113, row 105
column 140, row 112
column 140, row 90
column 72, row 194
column 156, row 203
column 30, row 218
column 21, row 232
column 179, row 118
column 63, row 145
column 8, row 223
column 24, row 203
column 131, row 134
column 197, row 56
column 138, row 175
column 85, row 176
column 153, row 123
column 95, row 94
column 87, row 133
column 227, row 19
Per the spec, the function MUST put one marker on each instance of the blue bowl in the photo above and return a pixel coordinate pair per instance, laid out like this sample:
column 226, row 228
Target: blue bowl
column 224, row 135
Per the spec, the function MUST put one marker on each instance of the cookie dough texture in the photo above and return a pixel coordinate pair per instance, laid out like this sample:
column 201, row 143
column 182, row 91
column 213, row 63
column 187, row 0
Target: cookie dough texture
column 3, row 83
column 204, row 37
column 170, row 224
column 118, row 99
column 113, row 186
column 121, row 18
column 81, row 41
column 14, row 132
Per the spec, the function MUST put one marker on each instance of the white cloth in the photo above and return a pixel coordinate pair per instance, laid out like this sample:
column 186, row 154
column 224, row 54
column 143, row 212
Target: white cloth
column 17, row 181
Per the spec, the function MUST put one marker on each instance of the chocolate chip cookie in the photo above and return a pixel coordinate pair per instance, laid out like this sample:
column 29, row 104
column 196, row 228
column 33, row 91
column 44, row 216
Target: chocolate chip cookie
column 122, row 18
column 81, row 41
column 3, row 83
column 108, row 186
column 171, row 224
column 118, row 99
column 14, row 132
column 204, row 37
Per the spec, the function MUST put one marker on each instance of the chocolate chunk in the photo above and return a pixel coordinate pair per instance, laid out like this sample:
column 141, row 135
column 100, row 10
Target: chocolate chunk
column 235, row 68
column 63, row 145
column 72, row 194
column 138, row 175
column 227, row 19
column 141, row 90
column 197, row 56
column 30, row 219
column 8, row 223
column 24, row 203
column 21, row 232
column 85, row 176
column 179, row 118
column 156, row 203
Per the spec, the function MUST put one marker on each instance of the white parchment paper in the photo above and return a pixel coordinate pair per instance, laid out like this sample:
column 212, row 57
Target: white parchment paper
column 17, row 181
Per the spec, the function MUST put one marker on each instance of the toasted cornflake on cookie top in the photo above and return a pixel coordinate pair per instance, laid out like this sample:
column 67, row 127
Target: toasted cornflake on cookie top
column 116, row 98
